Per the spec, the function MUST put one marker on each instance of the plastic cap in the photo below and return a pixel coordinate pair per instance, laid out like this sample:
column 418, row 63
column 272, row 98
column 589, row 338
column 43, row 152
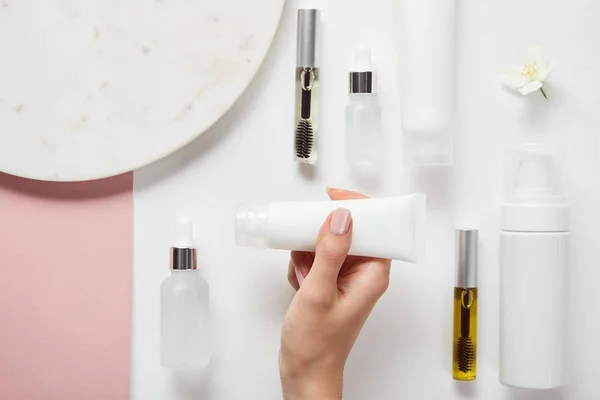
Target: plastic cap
column 184, row 237
column 307, row 52
column 361, row 75
column 535, row 204
column 362, row 59
column 466, row 257
column 251, row 225
column 535, row 172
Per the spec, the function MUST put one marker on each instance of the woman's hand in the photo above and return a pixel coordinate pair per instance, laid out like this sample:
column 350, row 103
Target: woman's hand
column 336, row 294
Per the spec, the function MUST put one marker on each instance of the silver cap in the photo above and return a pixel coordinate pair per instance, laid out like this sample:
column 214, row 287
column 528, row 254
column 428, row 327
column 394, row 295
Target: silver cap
column 183, row 259
column 467, row 242
column 361, row 82
column 307, row 38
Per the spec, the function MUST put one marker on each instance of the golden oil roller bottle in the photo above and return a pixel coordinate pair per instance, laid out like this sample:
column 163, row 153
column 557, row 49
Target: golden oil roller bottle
column 464, row 358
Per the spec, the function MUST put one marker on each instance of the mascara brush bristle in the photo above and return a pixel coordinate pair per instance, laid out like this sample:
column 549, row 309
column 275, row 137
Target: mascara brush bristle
column 304, row 139
column 465, row 354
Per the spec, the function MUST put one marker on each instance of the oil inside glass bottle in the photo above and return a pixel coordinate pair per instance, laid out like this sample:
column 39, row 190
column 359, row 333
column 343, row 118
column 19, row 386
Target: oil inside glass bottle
column 464, row 360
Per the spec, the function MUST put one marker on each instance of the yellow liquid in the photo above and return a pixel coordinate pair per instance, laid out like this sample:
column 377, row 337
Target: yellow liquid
column 464, row 349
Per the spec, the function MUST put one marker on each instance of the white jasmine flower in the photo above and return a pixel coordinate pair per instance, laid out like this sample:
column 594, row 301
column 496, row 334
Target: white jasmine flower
column 531, row 76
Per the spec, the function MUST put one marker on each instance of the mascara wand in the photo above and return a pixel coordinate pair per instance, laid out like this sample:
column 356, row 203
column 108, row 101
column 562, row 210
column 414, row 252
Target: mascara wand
column 304, row 139
column 465, row 349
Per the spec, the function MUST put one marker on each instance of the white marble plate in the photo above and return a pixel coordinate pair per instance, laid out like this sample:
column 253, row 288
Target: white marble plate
column 94, row 88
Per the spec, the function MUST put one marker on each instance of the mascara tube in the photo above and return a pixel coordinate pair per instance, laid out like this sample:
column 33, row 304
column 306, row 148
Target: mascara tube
column 306, row 123
column 464, row 359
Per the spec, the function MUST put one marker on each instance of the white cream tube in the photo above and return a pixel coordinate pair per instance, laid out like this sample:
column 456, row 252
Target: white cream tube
column 428, row 99
column 389, row 227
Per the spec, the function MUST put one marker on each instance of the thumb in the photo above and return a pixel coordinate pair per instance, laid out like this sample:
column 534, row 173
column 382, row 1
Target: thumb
column 332, row 248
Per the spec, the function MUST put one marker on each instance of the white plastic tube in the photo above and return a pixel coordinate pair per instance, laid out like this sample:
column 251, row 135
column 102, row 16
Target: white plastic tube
column 427, row 30
column 391, row 227
column 534, row 259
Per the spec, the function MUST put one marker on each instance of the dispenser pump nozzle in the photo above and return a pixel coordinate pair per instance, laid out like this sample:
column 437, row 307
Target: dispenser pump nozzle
column 535, row 173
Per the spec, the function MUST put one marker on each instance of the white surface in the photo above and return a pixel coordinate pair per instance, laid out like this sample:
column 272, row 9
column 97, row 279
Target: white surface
column 91, row 89
column 404, row 351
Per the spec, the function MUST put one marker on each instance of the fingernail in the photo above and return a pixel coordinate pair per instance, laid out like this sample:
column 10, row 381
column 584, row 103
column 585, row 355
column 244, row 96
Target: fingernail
column 340, row 221
column 299, row 276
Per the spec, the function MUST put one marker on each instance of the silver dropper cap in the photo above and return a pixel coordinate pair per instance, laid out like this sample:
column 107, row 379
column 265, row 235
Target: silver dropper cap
column 307, row 38
column 361, row 75
column 467, row 242
column 183, row 259
column 361, row 82
column 183, row 253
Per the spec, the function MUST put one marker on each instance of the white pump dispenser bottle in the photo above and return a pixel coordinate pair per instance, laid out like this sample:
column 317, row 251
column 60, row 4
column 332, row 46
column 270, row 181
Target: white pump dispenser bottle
column 534, row 256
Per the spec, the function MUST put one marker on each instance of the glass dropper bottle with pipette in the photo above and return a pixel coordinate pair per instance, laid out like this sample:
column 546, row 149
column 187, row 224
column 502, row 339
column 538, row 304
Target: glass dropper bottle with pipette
column 364, row 133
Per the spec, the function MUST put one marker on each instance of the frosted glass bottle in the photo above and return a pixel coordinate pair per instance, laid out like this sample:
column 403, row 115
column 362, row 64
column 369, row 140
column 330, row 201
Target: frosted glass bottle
column 364, row 136
column 184, row 325
column 364, row 133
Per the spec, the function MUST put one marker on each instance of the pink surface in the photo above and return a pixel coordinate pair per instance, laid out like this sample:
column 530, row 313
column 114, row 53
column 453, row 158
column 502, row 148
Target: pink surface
column 65, row 289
